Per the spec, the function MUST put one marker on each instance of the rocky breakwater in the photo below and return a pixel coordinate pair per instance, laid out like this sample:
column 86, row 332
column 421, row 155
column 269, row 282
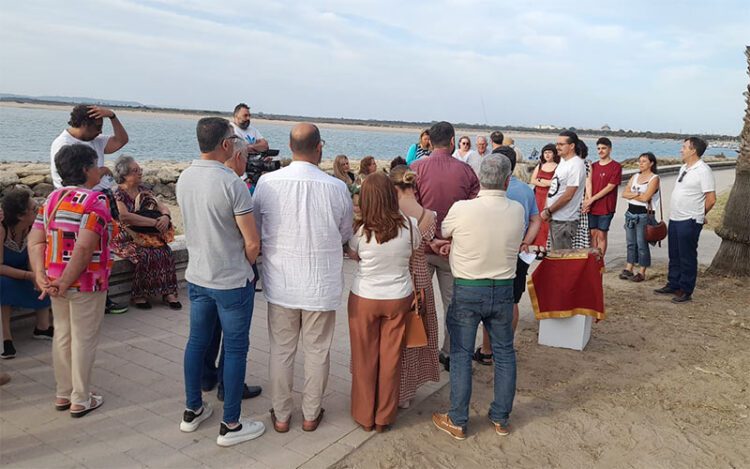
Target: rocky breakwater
column 159, row 176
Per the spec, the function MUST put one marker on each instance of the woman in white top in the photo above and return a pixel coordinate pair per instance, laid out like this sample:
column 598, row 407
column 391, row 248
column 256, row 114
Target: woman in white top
column 643, row 195
column 381, row 295
column 464, row 151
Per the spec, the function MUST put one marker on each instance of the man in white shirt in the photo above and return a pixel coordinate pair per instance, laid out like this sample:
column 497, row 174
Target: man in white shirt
column 693, row 196
column 86, row 124
column 304, row 217
column 483, row 262
column 86, row 128
column 566, row 191
column 222, row 243
column 475, row 159
column 242, row 128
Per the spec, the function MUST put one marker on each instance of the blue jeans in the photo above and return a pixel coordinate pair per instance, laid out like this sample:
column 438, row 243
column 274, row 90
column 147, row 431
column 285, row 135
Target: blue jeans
column 635, row 238
column 234, row 309
column 492, row 306
column 683, row 254
column 212, row 372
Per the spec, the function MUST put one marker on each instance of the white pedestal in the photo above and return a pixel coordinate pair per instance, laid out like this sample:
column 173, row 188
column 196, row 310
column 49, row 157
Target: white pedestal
column 573, row 332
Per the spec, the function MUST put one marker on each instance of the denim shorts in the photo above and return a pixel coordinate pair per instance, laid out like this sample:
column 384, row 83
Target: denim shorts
column 600, row 222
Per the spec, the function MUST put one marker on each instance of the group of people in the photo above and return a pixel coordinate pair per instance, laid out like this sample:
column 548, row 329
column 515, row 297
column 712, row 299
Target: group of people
column 414, row 222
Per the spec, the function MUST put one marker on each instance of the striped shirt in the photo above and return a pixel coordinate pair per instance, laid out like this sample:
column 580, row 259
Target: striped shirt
column 79, row 209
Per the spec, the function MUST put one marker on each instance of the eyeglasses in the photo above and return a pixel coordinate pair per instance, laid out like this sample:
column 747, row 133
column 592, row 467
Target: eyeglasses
column 137, row 170
column 682, row 176
column 464, row 142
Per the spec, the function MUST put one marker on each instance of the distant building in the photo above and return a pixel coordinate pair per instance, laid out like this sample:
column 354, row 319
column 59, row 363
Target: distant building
column 546, row 127
column 606, row 128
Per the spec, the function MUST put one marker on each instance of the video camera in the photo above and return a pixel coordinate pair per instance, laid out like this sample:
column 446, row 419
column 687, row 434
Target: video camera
column 257, row 164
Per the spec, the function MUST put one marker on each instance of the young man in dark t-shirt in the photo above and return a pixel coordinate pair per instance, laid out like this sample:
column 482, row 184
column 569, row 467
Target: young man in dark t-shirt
column 601, row 193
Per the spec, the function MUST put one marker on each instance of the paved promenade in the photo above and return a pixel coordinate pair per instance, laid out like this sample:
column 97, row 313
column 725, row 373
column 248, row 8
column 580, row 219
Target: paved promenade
column 139, row 372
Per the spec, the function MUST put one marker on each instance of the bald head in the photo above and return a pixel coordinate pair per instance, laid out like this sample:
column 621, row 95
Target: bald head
column 304, row 141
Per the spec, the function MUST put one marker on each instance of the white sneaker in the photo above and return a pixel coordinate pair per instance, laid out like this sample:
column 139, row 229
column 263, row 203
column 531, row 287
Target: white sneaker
column 247, row 430
column 191, row 420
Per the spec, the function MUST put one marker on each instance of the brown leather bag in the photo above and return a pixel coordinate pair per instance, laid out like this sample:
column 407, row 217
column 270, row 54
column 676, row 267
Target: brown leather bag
column 416, row 334
column 656, row 232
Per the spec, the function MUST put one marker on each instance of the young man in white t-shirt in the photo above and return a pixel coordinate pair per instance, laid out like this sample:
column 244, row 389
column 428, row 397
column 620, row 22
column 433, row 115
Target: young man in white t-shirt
column 86, row 127
column 693, row 196
column 242, row 128
column 566, row 191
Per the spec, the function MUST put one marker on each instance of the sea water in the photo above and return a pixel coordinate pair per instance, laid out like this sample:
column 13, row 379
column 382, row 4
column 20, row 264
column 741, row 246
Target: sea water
column 26, row 135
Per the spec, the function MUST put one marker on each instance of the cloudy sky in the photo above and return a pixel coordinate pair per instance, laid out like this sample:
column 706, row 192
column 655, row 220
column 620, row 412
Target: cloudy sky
column 645, row 65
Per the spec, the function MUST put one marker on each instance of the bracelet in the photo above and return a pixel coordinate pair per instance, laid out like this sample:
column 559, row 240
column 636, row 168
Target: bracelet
column 113, row 117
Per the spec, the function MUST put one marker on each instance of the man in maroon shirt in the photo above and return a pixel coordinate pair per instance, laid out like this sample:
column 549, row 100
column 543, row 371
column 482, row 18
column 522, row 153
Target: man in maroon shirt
column 601, row 193
column 441, row 181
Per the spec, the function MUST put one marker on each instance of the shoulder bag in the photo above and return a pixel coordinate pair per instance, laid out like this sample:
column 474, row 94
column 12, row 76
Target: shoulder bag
column 416, row 335
column 655, row 231
column 148, row 236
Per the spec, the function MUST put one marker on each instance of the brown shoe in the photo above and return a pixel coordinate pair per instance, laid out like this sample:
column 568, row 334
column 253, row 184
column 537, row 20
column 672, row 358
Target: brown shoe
column 312, row 425
column 382, row 428
column 638, row 277
column 279, row 426
column 444, row 423
column 500, row 429
column 4, row 378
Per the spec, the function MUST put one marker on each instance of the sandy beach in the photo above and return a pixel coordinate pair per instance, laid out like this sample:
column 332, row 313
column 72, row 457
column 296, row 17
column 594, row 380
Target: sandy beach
column 659, row 385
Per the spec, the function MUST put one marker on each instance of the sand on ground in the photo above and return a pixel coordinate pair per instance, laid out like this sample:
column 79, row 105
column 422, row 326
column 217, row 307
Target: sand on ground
column 659, row 385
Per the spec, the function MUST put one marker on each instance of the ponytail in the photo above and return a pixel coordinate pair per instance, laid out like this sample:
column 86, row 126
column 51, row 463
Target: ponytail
column 580, row 147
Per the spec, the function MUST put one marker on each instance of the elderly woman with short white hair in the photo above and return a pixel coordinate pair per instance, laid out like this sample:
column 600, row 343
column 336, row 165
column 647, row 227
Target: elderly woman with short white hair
column 142, row 214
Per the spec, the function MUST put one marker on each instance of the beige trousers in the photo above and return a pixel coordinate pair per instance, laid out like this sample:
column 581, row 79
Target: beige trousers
column 441, row 266
column 284, row 328
column 78, row 319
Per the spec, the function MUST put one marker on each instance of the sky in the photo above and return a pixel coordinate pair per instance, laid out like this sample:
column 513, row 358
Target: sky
column 644, row 65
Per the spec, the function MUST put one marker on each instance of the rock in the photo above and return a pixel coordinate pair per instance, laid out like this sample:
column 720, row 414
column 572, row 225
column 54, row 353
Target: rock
column 150, row 181
column 32, row 179
column 43, row 189
column 164, row 190
column 168, row 174
column 33, row 169
column 14, row 186
column 8, row 178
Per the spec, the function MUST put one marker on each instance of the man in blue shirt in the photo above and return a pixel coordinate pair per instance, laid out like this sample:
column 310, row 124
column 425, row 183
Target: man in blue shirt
column 521, row 193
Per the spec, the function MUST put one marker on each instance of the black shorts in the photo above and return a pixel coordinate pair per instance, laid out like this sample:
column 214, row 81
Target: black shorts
column 519, row 283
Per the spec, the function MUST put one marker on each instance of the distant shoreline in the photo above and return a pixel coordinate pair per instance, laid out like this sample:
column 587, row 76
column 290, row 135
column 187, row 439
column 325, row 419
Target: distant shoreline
column 414, row 128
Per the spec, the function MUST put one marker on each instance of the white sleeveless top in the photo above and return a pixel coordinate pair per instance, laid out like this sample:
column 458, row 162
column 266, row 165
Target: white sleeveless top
column 641, row 188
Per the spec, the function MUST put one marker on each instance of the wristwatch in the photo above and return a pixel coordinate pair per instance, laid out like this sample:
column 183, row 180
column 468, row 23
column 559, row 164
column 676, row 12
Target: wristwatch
column 113, row 116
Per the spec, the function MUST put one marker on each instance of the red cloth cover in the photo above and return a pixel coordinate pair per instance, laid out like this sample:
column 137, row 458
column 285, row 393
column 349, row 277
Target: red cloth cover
column 566, row 283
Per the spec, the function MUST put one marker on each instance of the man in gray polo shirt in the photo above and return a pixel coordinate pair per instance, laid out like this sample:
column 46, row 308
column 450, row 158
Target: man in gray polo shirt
column 222, row 243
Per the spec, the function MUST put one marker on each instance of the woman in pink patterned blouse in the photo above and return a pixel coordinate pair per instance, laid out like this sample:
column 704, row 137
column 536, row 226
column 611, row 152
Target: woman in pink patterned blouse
column 69, row 253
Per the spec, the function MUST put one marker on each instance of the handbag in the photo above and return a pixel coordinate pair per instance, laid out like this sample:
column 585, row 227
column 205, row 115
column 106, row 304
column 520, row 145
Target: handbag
column 416, row 334
column 148, row 236
column 656, row 231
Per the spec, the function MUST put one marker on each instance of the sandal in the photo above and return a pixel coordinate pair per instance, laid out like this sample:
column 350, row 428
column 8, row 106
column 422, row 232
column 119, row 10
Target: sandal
column 176, row 305
column 312, row 425
column 143, row 305
column 482, row 358
column 62, row 406
column 280, row 427
column 638, row 277
column 88, row 407
column 626, row 274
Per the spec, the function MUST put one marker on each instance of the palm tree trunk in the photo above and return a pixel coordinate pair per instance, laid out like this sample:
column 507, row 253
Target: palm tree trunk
column 733, row 256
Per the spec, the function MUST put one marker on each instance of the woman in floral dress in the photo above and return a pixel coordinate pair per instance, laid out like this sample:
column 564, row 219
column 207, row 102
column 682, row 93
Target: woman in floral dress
column 418, row 365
